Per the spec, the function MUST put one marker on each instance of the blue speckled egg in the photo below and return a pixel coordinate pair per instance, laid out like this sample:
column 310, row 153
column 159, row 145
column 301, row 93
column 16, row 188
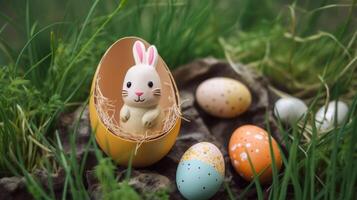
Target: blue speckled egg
column 200, row 172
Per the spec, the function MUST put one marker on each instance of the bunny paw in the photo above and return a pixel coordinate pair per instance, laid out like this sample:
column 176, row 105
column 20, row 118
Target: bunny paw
column 124, row 114
column 124, row 118
column 148, row 124
column 150, row 117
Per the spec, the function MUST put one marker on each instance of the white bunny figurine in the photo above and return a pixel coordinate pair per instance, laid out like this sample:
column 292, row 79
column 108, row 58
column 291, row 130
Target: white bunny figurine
column 141, row 91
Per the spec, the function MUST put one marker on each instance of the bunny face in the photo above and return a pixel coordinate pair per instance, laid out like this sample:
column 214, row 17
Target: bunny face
column 142, row 86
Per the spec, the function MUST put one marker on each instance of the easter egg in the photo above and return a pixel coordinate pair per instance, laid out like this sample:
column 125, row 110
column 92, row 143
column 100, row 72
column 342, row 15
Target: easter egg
column 223, row 97
column 325, row 116
column 200, row 171
column 252, row 142
column 290, row 110
column 106, row 101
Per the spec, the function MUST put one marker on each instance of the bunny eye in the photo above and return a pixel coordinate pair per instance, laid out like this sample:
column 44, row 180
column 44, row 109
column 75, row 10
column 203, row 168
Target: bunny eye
column 150, row 84
column 128, row 84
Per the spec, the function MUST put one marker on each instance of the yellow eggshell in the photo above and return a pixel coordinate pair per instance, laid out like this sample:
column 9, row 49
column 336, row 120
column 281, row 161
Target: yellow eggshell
column 252, row 141
column 111, row 71
column 223, row 97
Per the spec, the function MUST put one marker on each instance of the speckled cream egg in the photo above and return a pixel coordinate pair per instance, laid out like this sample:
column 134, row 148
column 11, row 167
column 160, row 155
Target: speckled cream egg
column 200, row 172
column 252, row 141
column 223, row 97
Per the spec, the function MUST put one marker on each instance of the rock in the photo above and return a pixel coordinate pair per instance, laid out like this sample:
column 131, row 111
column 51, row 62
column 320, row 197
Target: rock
column 57, row 179
column 10, row 184
column 75, row 123
column 13, row 188
column 204, row 127
column 191, row 75
column 76, row 126
column 93, row 185
column 146, row 181
column 143, row 181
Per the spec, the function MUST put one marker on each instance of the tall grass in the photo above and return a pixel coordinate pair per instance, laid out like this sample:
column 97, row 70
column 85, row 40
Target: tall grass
column 39, row 83
column 303, row 59
column 47, row 71
column 50, row 50
column 293, row 62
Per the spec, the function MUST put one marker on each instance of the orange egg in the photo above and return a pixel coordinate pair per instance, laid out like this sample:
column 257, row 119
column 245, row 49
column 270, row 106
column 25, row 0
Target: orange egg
column 252, row 141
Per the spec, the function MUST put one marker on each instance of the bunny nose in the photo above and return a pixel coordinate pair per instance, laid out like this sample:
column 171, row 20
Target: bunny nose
column 139, row 93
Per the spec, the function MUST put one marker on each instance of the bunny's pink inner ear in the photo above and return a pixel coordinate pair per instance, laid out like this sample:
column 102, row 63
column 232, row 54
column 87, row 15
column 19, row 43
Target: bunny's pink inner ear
column 152, row 56
column 138, row 51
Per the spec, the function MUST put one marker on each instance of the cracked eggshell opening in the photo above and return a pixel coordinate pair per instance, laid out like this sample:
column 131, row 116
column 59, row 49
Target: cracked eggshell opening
column 109, row 78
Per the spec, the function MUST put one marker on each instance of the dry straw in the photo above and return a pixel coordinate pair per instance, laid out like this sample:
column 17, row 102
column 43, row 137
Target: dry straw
column 106, row 111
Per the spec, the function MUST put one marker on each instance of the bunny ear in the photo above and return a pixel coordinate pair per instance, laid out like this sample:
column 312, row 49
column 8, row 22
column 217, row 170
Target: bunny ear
column 139, row 52
column 152, row 56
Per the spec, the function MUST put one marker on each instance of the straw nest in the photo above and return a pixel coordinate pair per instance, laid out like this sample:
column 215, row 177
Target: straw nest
column 107, row 110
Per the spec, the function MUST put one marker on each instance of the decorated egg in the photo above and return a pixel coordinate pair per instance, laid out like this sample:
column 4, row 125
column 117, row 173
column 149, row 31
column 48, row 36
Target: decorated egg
column 223, row 97
column 200, row 171
column 290, row 110
column 325, row 116
column 252, row 142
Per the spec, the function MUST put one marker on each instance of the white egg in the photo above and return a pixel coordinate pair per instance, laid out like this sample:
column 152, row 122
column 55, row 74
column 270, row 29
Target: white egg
column 325, row 116
column 290, row 109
